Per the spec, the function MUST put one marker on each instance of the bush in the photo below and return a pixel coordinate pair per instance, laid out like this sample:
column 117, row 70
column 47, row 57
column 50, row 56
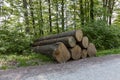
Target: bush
column 102, row 35
column 13, row 42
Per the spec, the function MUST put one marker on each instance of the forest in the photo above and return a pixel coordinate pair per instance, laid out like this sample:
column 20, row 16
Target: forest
column 23, row 21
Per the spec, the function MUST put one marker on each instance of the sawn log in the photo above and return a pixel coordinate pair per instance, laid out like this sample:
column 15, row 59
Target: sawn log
column 57, row 50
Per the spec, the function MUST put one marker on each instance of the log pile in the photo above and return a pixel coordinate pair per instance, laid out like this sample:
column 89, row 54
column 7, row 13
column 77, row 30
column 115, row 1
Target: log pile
column 65, row 46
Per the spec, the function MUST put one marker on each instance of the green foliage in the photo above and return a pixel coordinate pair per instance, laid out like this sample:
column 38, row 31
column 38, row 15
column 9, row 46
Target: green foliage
column 102, row 35
column 13, row 41
column 108, row 52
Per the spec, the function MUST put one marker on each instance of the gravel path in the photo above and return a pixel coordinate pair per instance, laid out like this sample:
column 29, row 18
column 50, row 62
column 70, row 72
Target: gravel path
column 102, row 68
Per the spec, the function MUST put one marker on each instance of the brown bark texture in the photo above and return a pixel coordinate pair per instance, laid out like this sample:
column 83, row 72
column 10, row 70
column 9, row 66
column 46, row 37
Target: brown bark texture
column 57, row 50
column 77, row 34
column 68, row 41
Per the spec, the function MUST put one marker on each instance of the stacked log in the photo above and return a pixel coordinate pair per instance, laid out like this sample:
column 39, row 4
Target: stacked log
column 84, row 43
column 77, row 34
column 57, row 50
column 65, row 46
column 91, row 50
column 84, row 53
column 75, row 52
column 68, row 41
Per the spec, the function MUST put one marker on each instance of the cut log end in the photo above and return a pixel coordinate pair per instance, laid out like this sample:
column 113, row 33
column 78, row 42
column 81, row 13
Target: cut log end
column 91, row 50
column 61, row 54
column 57, row 50
column 76, row 52
column 57, row 46
column 85, row 42
column 84, row 53
column 78, row 35
column 71, row 41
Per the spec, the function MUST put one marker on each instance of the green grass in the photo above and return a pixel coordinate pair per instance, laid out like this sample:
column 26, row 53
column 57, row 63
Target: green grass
column 108, row 52
column 15, row 60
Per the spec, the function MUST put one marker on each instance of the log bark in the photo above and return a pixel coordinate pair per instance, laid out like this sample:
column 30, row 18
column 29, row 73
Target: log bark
column 68, row 41
column 84, row 53
column 77, row 34
column 84, row 43
column 91, row 50
column 76, row 52
column 57, row 50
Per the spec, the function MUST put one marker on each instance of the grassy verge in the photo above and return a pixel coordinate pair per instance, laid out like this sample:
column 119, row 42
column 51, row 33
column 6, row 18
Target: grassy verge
column 15, row 60
column 108, row 52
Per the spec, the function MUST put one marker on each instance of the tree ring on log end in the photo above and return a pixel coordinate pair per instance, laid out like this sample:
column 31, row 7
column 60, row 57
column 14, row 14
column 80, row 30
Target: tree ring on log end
column 85, row 42
column 91, row 50
column 84, row 53
column 76, row 52
column 72, row 41
column 61, row 54
column 78, row 35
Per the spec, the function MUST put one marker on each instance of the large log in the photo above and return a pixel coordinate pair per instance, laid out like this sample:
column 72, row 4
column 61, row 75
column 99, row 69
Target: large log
column 77, row 34
column 91, row 50
column 84, row 53
column 68, row 41
column 84, row 43
column 75, row 52
column 57, row 50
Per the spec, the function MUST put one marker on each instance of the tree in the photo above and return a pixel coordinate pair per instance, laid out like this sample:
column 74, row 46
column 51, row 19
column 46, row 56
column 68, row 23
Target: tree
column 74, row 4
column 108, row 6
column 57, row 16
column 110, row 10
column 81, row 12
column 62, row 10
column 32, row 16
column 40, row 19
column 92, row 10
column 50, row 15
column 25, row 4
column 1, row 3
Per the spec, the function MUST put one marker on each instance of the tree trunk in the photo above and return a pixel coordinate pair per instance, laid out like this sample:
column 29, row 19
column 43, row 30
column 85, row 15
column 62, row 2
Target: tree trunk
column 57, row 17
column 40, row 18
column 91, row 50
column 81, row 12
column 91, row 10
column 84, row 43
column 50, row 15
column 84, row 53
column 26, row 16
column 1, row 5
column 62, row 10
column 105, row 2
column 74, row 14
column 110, row 10
column 77, row 34
column 32, row 16
column 76, row 52
column 68, row 41
column 86, row 11
column 58, row 51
